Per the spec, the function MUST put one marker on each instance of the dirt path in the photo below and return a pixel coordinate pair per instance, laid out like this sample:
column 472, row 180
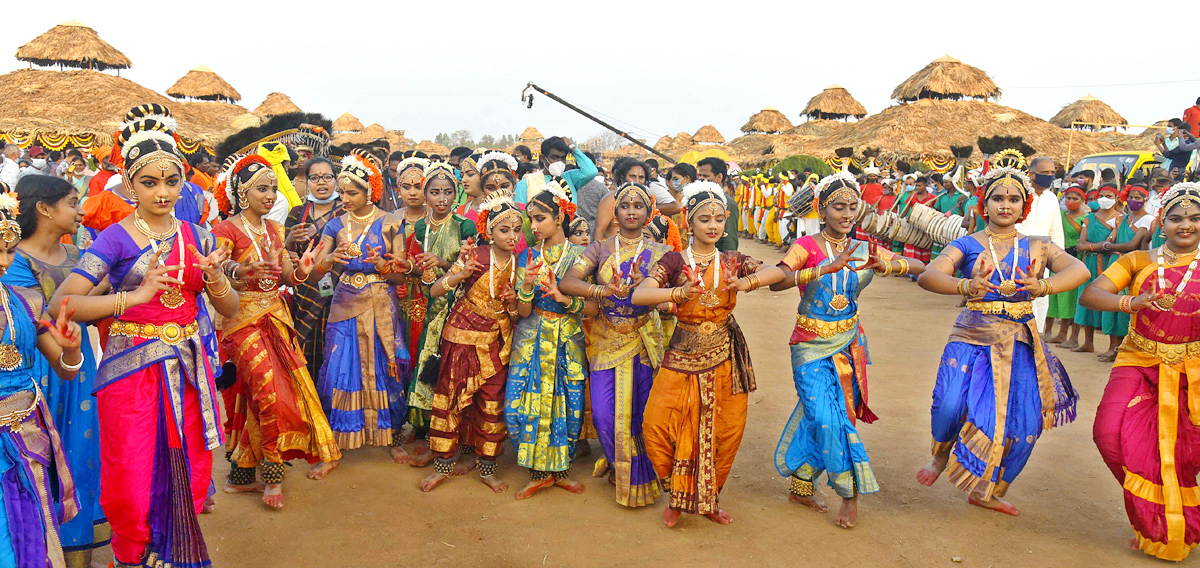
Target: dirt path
column 369, row 511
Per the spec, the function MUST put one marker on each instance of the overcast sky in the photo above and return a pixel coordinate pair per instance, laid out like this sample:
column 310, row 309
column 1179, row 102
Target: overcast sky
column 657, row 67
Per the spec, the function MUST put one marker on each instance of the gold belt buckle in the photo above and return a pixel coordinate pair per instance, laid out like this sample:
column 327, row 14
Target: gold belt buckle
column 707, row 328
column 171, row 333
column 359, row 280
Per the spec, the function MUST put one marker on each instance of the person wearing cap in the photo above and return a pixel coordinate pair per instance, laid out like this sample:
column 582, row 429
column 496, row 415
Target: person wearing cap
column 37, row 163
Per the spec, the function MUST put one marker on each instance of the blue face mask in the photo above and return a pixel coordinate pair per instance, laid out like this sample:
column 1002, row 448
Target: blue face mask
column 1170, row 130
column 1043, row 180
column 1094, row 205
column 910, row 187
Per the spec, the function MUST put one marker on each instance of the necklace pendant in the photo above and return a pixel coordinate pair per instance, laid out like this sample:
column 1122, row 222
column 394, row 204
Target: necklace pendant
column 1166, row 302
column 710, row 299
column 10, row 357
column 266, row 284
column 172, row 298
column 354, row 249
column 839, row 302
column 428, row 277
column 1008, row 288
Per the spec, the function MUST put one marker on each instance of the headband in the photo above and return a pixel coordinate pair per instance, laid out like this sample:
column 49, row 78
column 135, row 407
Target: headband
column 144, row 142
column 276, row 154
column 836, row 185
column 1183, row 193
column 359, row 168
column 437, row 170
column 556, row 193
column 636, row 189
column 495, row 209
column 416, row 163
column 698, row 194
column 234, row 189
column 579, row 223
column 493, row 162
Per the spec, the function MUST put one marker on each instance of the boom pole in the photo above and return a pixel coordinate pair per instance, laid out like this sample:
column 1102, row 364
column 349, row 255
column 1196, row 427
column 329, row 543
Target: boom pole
column 528, row 100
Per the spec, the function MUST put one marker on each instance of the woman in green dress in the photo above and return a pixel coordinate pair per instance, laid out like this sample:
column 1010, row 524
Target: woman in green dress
column 1062, row 305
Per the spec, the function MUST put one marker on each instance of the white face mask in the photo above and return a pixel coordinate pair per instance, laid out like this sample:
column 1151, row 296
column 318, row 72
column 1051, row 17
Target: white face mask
column 39, row 163
column 1106, row 202
column 557, row 168
column 677, row 184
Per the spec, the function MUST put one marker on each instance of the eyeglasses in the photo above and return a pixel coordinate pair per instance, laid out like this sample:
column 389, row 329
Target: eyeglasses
column 325, row 177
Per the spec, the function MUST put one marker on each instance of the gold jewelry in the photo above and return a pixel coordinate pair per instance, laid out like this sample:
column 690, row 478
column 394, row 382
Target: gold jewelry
column 363, row 219
column 753, row 280
column 964, row 287
column 1000, row 236
column 886, row 270
column 838, row 244
column 1126, row 304
column 10, row 357
column 903, row 266
column 296, row 280
column 224, row 291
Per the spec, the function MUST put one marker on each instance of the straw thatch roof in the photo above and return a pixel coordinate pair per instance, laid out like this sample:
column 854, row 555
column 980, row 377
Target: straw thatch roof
column 276, row 104
column 929, row 127
column 72, row 44
column 818, row 127
column 768, row 120
column 375, row 129
column 531, row 134
column 947, row 78
column 708, row 134
column 1087, row 109
column 204, row 84
column 347, row 123
column 77, row 102
column 663, row 144
column 432, row 148
column 834, row 102
column 683, row 140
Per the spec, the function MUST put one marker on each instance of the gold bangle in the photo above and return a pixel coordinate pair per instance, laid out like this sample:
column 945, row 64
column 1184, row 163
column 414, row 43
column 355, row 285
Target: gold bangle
column 224, row 291
column 119, row 308
column 298, row 280
column 1049, row 288
column 753, row 280
column 886, row 270
column 903, row 267
column 204, row 277
column 1125, row 304
column 387, row 268
column 964, row 287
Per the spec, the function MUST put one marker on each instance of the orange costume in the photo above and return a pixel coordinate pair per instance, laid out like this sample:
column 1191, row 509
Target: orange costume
column 696, row 412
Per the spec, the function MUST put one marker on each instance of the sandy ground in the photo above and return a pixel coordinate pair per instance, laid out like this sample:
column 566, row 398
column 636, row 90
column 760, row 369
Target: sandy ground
column 369, row 512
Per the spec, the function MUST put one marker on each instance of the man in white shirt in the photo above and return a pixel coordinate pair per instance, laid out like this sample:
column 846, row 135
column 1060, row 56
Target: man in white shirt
column 10, row 171
column 1044, row 220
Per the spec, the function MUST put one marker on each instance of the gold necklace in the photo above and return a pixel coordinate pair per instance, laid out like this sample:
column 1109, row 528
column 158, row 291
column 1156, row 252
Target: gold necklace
column 428, row 276
column 627, row 242
column 1000, row 236
column 411, row 221
column 172, row 297
column 264, row 284
column 10, row 356
column 355, row 249
column 144, row 228
column 256, row 231
column 364, row 218
column 1172, row 256
column 839, row 244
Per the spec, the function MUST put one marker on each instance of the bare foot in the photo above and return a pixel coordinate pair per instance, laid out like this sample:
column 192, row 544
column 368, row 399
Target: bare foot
column 533, row 487
column 256, row 487
column 1069, row 344
column 495, row 483
column 995, row 504
column 399, row 455
column 432, row 481
column 273, row 496
column 1085, row 348
column 570, row 485
column 319, row 471
column 932, row 470
column 671, row 516
column 811, row 501
column 209, row 506
column 720, row 517
column 1108, row 357
column 848, row 515
column 1057, row 338
column 421, row 455
column 465, row 466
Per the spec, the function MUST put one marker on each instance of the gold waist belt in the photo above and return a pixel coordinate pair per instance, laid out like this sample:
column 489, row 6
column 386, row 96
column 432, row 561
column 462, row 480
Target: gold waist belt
column 13, row 420
column 169, row 333
column 1169, row 353
column 826, row 328
column 359, row 280
column 704, row 328
column 1015, row 310
column 549, row 315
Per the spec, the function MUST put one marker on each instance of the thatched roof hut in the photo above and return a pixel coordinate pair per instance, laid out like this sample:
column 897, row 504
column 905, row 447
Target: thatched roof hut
column 708, row 134
column 947, row 78
column 204, row 84
column 1087, row 109
column 347, row 123
column 531, row 134
column 276, row 104
column 768, row 120
column 72, row 44
column 375, row 129
column 835, row 103
column 90, row 103
column 663, row 144
column 683, row 140
column 432, row 148
column 819, row 127
column 929, row 127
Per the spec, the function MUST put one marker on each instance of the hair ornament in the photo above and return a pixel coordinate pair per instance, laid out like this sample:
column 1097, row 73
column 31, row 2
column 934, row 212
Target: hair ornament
column 10, row 229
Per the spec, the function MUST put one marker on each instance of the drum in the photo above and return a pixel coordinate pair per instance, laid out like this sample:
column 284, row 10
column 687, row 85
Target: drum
column 801, row 202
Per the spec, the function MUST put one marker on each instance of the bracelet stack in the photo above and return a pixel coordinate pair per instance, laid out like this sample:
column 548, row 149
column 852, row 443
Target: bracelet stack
column 678, row 295
column 523, row 297
column 753, row 280
column 224, row 291
column 73, row 367
column 1126, row 304
column 964, row 287
column 595, row 292
column 886, row 271
column 122, row 303
column 903, row 267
